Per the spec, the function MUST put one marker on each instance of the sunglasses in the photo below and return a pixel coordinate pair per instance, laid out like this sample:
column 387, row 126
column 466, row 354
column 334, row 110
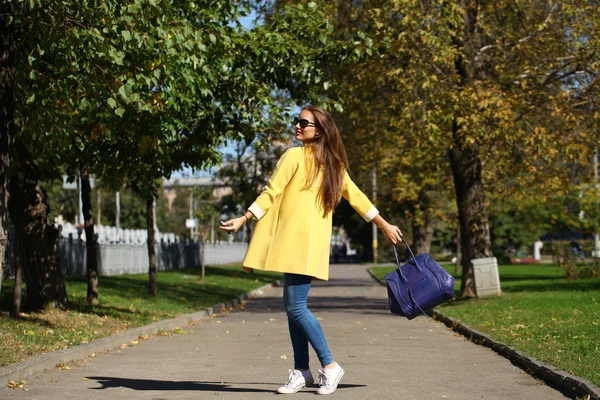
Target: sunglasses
column 303, row 122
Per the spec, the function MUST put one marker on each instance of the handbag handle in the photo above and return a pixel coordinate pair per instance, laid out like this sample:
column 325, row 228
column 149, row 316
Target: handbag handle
column 402, row 277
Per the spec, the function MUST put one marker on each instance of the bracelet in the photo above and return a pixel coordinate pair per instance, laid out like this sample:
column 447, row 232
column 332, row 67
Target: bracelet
column 246, row 218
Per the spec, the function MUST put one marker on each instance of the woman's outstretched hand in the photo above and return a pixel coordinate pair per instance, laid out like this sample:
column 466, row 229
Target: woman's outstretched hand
column 393, row 234
column 232, row 225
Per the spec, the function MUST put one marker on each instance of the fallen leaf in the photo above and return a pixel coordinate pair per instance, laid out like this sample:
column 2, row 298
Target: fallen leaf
column 283, row 357
column 16, row 385
column 84, row 379
column 63, row 366
column 272, row 319
column 357, row 322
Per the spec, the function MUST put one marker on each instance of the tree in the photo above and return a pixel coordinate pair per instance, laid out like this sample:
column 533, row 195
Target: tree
column 412, row 181
column 35, row 239
column 495, row 89
column 7, row 82
column 132, row 92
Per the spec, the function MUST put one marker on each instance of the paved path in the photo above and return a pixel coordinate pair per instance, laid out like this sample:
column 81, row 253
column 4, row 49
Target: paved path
column 245, row 354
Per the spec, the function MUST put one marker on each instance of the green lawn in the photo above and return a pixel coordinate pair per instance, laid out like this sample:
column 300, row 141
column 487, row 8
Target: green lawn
column 124, row 304
column 541, row 313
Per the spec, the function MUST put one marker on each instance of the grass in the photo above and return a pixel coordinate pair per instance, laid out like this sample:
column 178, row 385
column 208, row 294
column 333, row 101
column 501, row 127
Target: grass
column 541, row 313
column 124, row 304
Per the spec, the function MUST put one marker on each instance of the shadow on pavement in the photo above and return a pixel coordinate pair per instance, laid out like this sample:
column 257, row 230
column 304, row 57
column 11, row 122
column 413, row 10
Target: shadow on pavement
column 146, row 384
column 355, row 304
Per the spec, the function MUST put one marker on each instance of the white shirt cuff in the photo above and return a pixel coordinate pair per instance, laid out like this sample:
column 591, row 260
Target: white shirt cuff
column 258, row 212
column 372, row 213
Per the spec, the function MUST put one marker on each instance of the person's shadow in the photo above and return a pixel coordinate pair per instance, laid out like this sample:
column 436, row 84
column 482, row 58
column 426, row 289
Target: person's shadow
column 146, row 384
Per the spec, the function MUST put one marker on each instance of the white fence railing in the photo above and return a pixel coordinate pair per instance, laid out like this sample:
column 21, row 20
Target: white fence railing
column 118, row 259
column 125, row 251
column 112, row 235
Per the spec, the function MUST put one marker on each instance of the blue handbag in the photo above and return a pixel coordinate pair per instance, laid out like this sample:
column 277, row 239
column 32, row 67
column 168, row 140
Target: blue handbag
column 418, row 285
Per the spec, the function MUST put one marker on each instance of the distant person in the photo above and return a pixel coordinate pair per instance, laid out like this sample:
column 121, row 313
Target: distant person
column 454, row 250
column 537, row 249
column 336, row 253
column 577, row 249
column 293, row 234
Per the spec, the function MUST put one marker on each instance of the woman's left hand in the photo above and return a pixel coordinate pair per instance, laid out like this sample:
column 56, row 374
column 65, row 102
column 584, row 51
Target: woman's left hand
column 393, row 234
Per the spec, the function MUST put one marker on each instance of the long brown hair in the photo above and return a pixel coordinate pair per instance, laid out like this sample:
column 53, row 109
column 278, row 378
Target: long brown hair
column 329, row 156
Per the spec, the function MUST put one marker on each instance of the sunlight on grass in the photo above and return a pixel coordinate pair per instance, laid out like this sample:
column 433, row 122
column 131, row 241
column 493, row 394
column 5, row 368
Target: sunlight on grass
column 541, row 313
column 124, row 304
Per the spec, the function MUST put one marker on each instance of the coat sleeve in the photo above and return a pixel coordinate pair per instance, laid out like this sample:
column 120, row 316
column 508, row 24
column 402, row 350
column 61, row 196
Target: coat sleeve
column 358, row 200
column 284, row 171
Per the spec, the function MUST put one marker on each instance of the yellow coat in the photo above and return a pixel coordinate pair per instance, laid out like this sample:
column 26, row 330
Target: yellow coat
column 292, row 234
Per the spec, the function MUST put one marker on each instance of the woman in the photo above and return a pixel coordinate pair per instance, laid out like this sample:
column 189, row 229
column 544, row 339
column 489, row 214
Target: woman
column 293, row 234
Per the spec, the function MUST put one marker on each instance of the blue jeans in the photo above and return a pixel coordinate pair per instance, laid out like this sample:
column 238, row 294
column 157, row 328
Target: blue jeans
column 303, row 325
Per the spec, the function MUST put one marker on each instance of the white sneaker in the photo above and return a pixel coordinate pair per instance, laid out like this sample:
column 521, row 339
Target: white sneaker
column 329, row 379
column 298, row 380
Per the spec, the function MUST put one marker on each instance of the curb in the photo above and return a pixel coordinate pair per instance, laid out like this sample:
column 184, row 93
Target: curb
column 551, row 375
column 36, row 365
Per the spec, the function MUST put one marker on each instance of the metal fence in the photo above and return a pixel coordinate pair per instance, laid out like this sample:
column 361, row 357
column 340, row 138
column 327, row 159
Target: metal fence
column 117, row 259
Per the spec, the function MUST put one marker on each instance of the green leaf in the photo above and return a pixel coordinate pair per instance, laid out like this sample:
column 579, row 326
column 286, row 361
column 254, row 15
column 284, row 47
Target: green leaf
column 212, row 38
column 120, row 112
column 124, row 91
column 126, row 35
column 79, row 143
column 111, row 102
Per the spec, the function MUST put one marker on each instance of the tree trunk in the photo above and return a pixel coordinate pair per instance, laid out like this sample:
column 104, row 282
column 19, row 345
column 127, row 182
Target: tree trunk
column 466, row 165
column 422, row 234
column 475, row 239
column 90, row 237
column 202, row 265
column 35, row 237
column 458, row 250
column 7, row 83
column 151, row 248
column 15, row 311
